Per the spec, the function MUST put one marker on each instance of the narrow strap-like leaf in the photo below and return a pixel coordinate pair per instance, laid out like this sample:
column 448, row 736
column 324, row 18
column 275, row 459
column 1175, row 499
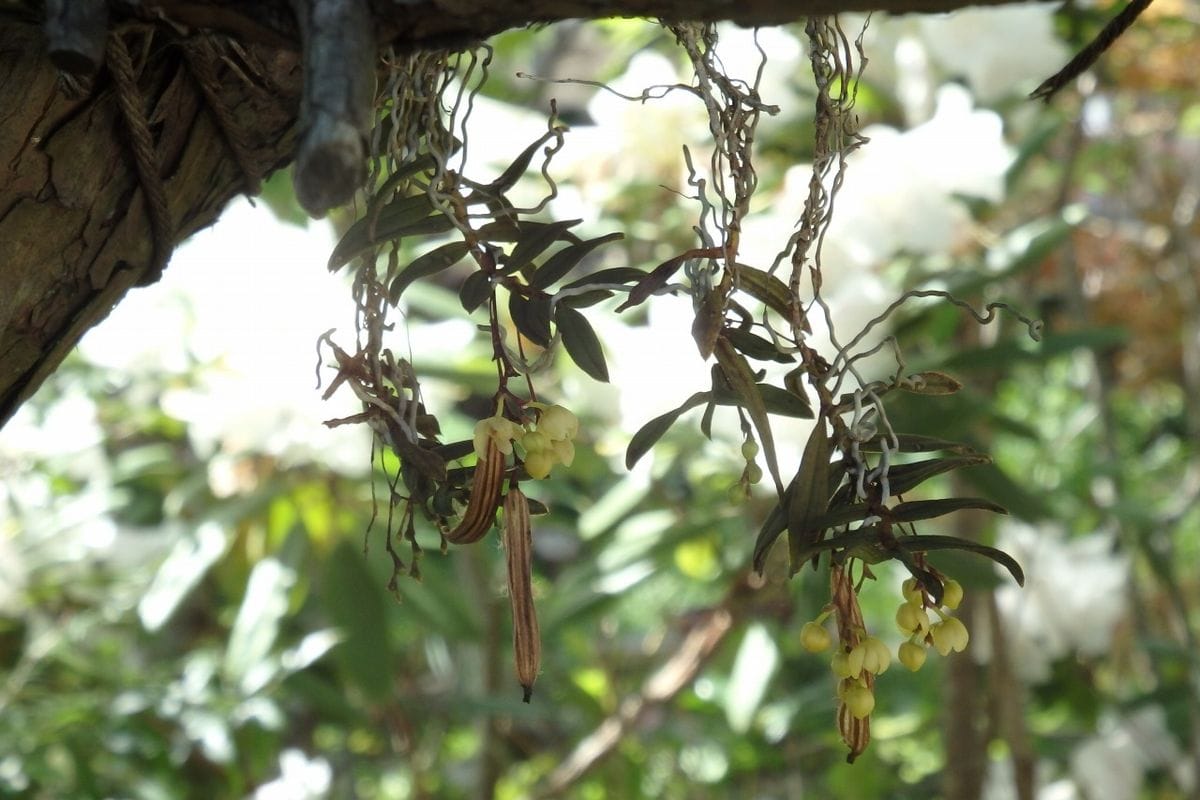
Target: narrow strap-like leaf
column 754, row 346
column 915, row 443
column 431, row 263
column 811, row 497
column 922, row 544
column 558, row 265
column 534, row 239
column 928, row 509
column 653, row 281
column 765, row 288
column 652, row 431
column 772, row 527
column 515, row 170
column 741, row 380
column 904, row 477
column 404, row 216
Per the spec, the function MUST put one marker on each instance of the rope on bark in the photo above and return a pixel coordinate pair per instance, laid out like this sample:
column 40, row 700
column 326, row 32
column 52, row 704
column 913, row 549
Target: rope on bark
column 201, row 54
column 145, row 156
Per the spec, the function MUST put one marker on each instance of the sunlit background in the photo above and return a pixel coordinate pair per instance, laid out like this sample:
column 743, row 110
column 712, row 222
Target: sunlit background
column 193, row 594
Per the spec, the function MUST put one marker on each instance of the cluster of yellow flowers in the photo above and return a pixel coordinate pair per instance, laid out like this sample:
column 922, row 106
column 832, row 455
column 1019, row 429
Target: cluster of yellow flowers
column 545, row 442
column 872, row 657
column 947, row 634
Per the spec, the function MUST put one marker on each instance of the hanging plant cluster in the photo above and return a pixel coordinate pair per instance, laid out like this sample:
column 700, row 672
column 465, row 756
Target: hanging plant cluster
column 843, row 507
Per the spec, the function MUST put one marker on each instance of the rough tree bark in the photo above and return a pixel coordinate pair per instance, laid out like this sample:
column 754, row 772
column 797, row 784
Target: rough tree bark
column 196, row 101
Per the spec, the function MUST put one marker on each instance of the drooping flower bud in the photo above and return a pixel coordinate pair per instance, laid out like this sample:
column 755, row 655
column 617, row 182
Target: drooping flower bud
column 952, row 594
column 859, row 700
column 912, row 655
column 911, row 618
column 558, row 423
column 814, row 638
column 950, row 635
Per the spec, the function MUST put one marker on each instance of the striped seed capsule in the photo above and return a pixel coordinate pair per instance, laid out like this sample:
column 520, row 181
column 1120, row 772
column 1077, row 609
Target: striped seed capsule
column 518, row 549
column 484, row 497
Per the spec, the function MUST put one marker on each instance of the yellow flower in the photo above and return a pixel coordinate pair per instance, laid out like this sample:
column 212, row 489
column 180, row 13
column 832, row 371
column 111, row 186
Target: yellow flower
column 912, row 655
column 499, row 430
column 860, row 700
column 952, row 594
column 910, row 619
column 558, row 423
column 814, row 638
column 840, row 664
column 876, row 656
column 539, row 463
column 950, row 634
column 535, row 442
column 564, row 451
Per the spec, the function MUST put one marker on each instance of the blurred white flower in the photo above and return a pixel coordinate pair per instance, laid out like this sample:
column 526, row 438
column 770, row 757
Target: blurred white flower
column 1002, row 51
column 301, row 778
column 1112, row 765
column 1067, row 580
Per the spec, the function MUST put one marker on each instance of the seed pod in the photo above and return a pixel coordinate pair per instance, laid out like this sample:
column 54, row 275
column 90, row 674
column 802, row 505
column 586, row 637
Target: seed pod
column 518, row 549
column 485, row 496
column 856, row 733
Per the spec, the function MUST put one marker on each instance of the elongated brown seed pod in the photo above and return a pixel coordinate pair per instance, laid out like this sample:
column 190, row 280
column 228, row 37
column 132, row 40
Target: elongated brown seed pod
column 518, row 549
column 484, row 497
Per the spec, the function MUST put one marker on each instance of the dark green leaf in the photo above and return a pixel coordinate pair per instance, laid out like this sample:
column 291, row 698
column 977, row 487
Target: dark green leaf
column 784, row 403
column 504, row 229
column 772, row 527
column 534, row 239
column 914, row 443
column 764, row 287
column 652, row 282
column 405, row 216
column 653, row 430
column 904, row 477
column 840, row 516
column 810, row 499
column 558, row 265
column 706, row 420
column 585, row 299
column 862, row 543
column 928, row 509
column 754, row 346
column 581, row 342
column 532, row 317
column 452, row 451
column 611, row 275
column 421, row 163
column 922, row 544
column 431, row 263
column 513, row 173
column 742, row 380
column 475, row 290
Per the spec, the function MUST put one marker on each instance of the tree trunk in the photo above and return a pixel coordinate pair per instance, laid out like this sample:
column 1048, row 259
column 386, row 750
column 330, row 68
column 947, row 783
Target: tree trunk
column 75, row 227
column 101, row 182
